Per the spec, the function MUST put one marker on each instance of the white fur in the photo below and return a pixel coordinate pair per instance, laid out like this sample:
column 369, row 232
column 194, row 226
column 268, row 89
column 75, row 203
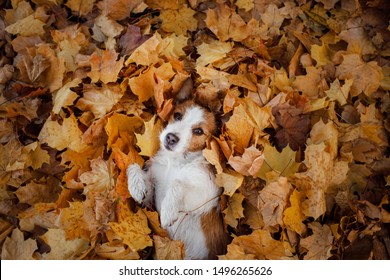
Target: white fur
column 182, row 185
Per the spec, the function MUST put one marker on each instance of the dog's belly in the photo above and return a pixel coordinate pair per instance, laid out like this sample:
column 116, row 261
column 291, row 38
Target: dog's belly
column 189, row 230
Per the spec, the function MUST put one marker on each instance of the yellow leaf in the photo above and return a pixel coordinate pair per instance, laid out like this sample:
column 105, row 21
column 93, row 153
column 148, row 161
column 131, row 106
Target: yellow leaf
column 366, row 76
column 148, row 141
column 148, row 53
column 28, row 26
column 213, row 155
column 226, row 24
column 132, row 228
column 321, row 54
column 211, row 52
column 338, row 92
column 229, row 181
column 279, row 163
column 121, row 126
column 293, row 217
column 99, row 100
column 60, row 247
column 234, row 210
column 61, row 136
column 105, row 67
column 37, row 155
column 178, row 21
column 236, row 252
column 145, row 85
column 167, row 249
column 239, row 129
column 261, row 245
column 16, row 248
column 65, row 96
column 82, row 8
column 273, row 200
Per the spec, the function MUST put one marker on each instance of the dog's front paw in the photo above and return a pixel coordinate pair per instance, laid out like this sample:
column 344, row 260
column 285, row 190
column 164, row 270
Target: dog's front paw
column 168, row 217
column 136, row 183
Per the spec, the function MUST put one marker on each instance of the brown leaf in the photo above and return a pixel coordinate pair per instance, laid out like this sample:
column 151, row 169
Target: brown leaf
column 167, row 249
column 293, row 130
column 273, row 201
column 319, row 244
column 16, row 248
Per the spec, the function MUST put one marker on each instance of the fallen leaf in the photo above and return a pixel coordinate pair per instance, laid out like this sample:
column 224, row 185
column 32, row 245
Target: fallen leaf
column 17, row 248
column 234, row 210
column 105, row 66
column 132, row 228
column 249, row 163
column 58, row 136
column 230, row 181
column 167, row 249
column 319, row 244
column 261, row 245
column 60, row 248
column 179, row 21
column 273, row 201
column 292, row 216
column 99, row 100
column 366, row 76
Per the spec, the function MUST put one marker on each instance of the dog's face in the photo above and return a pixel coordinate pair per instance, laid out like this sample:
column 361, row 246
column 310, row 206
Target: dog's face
column 188, row 129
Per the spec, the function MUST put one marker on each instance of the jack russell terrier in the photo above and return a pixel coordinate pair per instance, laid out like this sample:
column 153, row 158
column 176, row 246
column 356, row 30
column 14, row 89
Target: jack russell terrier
column 180, row 183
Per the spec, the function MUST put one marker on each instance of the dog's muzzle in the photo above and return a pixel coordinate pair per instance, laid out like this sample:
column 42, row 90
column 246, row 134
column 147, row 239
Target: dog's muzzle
column 171, row 141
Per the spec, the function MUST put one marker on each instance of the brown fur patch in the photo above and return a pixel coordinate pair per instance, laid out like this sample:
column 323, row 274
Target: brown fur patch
column 216, row 237
column 209, row 127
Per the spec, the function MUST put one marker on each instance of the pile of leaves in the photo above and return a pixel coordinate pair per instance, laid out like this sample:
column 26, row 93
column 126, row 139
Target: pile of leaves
column 301, row 88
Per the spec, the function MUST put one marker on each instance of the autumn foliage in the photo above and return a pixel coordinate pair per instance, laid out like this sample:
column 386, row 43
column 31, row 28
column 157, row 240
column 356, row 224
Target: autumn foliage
column 301, row 88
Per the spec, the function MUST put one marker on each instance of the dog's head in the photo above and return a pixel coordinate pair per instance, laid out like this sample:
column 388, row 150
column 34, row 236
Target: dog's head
column 188, row 128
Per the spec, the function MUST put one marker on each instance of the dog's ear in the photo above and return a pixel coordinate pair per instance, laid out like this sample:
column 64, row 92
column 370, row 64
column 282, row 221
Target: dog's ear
column 186, row 91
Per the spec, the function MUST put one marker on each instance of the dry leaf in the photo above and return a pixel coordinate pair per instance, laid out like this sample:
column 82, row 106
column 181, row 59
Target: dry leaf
column 167, row 249
column 58, row 136
column 319, row 244
column 273, row 201
column 16, row 248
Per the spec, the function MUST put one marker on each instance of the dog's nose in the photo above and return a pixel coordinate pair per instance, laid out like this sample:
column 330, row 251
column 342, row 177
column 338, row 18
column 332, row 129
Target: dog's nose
column 171, row 140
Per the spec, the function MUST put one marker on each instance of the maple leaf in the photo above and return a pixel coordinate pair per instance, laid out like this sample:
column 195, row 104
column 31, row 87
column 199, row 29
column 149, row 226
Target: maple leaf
column 179, row 21
column 99, row 100
column 260, row 244
column 273, row 201
column 366, row 76
column 60, row 248
column 226, row 24
column 105, row 67
column 132, row 228
column 212, row 52
column 230, row 181
column 278, row 163
column 118, row 10
column 65, row 96
column 167, row 249
column 234, row 210
column 294, row 130
column 16, row 248
column 319, row 244
column 292, row 216
column 121, row 127
column 249, row 163
column 57, row 135
column 81, row 7
column 148, row 141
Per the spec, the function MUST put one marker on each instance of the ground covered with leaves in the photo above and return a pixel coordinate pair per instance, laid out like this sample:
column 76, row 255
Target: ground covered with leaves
column 301, row 88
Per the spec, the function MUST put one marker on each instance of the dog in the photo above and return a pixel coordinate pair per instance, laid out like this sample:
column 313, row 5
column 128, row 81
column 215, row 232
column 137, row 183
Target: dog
column 180, row 183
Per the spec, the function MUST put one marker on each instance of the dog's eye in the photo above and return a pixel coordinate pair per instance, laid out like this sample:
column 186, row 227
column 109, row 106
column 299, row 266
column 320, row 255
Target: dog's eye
column 197, row 131
column 177, row 116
